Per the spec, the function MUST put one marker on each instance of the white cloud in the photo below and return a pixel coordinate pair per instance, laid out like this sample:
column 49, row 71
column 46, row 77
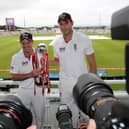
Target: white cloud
column 45, row 12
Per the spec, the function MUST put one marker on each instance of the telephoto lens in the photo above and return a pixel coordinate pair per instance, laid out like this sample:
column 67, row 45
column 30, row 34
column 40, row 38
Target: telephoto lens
column 64, row 117
column 13, row 114
column 95, row 98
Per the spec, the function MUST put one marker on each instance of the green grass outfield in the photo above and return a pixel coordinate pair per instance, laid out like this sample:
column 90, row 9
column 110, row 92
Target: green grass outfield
column 109, row 53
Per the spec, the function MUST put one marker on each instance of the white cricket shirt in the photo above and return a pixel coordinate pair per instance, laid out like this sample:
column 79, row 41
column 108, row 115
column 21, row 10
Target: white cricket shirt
column 22, row 65
column 71, row 55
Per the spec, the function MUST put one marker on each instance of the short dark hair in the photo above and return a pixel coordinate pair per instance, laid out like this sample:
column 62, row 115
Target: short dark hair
column 26, row 35
column 64, row 16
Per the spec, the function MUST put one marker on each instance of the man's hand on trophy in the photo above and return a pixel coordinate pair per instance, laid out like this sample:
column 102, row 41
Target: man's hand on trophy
column 42, row 62
column 36, row 72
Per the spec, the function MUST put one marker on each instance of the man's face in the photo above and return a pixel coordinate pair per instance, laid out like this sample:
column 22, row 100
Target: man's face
column 27, row 45
column 66, row 26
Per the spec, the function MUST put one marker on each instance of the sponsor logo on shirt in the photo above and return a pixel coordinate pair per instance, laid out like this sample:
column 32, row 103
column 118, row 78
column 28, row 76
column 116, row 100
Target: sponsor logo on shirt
column 24, row 63
column 75, row 47
column 62, row 49
column 12, row 67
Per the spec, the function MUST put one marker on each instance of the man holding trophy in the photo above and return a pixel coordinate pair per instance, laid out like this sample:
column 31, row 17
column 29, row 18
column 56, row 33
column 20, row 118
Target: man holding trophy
column 29, row 68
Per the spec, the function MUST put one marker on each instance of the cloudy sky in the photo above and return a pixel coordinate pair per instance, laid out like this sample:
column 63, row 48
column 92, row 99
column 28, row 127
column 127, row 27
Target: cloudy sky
column 45, row 12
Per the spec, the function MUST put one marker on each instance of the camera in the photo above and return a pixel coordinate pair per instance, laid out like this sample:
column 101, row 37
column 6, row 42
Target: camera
column 64, row 117
column 13, row 114
column 95, row 98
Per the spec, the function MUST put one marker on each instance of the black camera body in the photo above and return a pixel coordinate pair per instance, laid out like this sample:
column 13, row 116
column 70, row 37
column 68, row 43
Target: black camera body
column 120, row 31
column 120, row 24
column 13, row 114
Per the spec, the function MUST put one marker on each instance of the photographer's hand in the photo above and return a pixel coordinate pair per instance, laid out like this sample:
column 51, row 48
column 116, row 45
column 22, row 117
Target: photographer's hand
column 90, row 125
column 32, row 127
